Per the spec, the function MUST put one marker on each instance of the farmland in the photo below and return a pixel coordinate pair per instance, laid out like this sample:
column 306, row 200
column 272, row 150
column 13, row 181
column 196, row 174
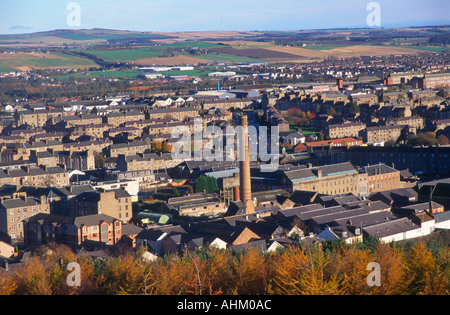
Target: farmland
column 171, row 61
column 127, row 74
column 29, row 61
column 125, row 55
column 109, row 49
column 142, row 55
column 242, row 52
column 223, row 57
column 258, row 53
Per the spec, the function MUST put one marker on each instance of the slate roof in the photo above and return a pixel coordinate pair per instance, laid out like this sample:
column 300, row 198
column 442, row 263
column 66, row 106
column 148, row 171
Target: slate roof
column 323, row 219
column 419, row 207
column 441, row 217
column 155, row 233
column 282, row 214
column 226, row 233
column 258, row 244
column 372, row 170
column 46, row 219
column 391, row 227
column 365, row 219
column 327, row 170
column 397, row 196
column 94, row 219
column 20, row 202
column 130, row 229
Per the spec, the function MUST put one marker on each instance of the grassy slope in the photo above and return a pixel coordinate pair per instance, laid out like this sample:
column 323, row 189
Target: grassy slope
column 55, row 60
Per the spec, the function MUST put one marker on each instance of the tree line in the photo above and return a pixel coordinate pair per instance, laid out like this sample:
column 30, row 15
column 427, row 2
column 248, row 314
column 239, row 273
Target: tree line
column 333, row 268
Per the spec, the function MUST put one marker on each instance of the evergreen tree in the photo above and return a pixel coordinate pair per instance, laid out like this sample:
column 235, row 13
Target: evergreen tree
column 207, row 184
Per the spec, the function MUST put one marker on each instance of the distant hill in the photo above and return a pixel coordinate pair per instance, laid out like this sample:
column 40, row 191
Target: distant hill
column 93, row 36
column 62, row 37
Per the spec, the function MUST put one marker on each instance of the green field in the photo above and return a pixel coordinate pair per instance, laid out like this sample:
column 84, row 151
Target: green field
column 20, row 61
column 5, row 68
column 127, row 74
column 125, row 55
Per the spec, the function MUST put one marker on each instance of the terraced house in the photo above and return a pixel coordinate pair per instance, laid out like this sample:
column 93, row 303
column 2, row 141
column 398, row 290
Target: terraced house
column 14, row 210
column 336, row 131
column 131, row 148
column 115, row 203
column 382, row 133
column 35, row 176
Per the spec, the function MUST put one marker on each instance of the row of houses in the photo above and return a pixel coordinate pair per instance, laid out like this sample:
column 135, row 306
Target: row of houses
column 19, row 204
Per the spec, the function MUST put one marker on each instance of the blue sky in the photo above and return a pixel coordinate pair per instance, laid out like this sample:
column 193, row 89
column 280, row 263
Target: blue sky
column 25, row 16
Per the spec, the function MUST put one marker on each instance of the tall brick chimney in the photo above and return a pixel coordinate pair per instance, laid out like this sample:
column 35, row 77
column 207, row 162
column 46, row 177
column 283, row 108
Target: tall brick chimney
column 244, row 167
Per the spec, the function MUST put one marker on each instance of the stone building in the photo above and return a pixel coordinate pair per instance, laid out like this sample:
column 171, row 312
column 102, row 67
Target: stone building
column 115, row 203
column 14, row 210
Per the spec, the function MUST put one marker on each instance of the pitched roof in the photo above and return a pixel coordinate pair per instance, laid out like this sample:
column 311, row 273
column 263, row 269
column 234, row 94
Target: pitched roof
column 391, row 227
column 94, row 219
column 46, row 219
column 379, row 169
column 227, row 233
column 365, row 219
column 327, row 170
column 20, row 202
column 258, row 244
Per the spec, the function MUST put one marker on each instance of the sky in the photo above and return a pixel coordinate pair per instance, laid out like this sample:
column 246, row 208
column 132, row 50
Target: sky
column 27, row 16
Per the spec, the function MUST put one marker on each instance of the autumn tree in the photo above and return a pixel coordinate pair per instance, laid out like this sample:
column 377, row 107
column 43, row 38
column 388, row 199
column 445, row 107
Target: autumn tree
column 251, row 272
column 127, row 275
column 289, row 268
column 219, row 270
column 156, row 146
column 390, row 259
column 32, row 279
column 8, row 284
column 417, row 264
column 349, row 264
